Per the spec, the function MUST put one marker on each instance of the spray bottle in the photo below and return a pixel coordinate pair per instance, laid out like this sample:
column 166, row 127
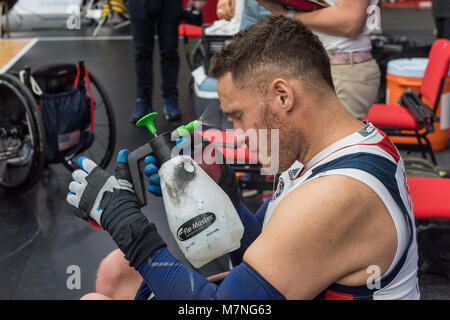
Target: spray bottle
column 201, row 216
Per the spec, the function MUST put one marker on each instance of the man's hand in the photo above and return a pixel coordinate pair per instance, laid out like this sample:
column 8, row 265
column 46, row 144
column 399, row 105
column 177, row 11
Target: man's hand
column 110, row 201
column 225, row 9
column 151, row 170
column 90, row 183
column 216, row 168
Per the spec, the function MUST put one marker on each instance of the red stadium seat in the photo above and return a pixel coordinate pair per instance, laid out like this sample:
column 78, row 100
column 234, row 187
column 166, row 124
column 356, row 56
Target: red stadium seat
column 398, row 116
column 189, row 31
column 430, row 197
column 400, row 120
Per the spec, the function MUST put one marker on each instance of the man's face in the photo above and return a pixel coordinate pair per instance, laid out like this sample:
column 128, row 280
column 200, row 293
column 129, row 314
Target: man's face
column 242, row 109
column 277, row 144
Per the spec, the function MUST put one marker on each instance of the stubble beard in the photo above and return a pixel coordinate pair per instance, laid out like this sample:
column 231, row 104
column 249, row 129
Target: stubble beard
column 291, row 142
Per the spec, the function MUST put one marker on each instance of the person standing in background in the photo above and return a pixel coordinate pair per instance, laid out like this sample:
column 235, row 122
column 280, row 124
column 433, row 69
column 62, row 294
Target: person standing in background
column 343, row 29
column 441, row 13
column 148, row 18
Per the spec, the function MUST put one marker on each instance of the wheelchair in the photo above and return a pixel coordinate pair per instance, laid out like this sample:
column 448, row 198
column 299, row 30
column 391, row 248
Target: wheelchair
column 24, row 151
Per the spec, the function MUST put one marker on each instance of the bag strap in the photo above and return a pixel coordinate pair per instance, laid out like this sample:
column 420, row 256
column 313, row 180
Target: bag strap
column 77, row 78
column 28, row 80
column 82, row 73
column 423, row 114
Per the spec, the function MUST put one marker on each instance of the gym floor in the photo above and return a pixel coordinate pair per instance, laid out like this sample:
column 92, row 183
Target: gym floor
column 40, row 237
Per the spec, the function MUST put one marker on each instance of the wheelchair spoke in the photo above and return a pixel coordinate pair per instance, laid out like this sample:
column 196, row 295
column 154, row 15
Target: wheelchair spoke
column 91, row 154
column 100, row 141
column 99, row 104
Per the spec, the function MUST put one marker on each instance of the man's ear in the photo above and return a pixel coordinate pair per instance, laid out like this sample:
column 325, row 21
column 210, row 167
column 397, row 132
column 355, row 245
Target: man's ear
column 283, row 93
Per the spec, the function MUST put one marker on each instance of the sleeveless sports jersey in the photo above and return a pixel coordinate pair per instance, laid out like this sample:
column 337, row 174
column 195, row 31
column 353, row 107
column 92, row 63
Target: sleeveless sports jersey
column 370, row 157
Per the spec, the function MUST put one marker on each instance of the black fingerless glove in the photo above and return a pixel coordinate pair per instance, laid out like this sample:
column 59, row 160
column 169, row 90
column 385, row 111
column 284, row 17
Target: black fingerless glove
column 135, row 236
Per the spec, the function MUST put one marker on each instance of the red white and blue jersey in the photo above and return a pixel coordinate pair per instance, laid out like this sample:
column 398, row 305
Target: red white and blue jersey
column 370, row 157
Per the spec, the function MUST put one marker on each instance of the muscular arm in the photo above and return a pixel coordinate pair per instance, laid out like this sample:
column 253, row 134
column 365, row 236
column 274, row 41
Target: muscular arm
column 346, row 19
column 325, row 231
column 168, row 278
column 252, row 228
column 329, row 230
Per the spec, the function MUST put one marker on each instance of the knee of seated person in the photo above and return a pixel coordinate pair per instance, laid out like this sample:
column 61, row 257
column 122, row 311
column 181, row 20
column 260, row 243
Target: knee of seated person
column 95, row 296
column 112, row 270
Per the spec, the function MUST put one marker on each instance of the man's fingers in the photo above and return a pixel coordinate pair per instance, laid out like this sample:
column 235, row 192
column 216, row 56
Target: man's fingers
column 86, row 164
column 150, row 169
column 150, row 160
column 76, row 187
column 79, row 176
column 122, row 168
column 156, row 190
column 154, row 179
column 123, row 156
column 72, row 199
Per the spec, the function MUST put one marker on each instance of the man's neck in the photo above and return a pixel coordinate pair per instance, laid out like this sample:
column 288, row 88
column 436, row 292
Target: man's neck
column 328, row 128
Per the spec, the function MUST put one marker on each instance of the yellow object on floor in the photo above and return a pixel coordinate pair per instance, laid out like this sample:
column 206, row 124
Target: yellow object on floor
column 113, row 6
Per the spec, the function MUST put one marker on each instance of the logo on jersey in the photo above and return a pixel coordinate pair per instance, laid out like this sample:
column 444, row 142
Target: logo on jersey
column 293, row 173
column 279, row 190
column 368, row 129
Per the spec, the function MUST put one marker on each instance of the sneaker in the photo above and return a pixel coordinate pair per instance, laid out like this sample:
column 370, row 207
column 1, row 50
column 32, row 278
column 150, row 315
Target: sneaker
column 171, row 109
column 142, row 108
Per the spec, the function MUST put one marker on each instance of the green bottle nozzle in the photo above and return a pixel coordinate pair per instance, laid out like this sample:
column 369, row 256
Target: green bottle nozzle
column 147, row 121
column 184, row 130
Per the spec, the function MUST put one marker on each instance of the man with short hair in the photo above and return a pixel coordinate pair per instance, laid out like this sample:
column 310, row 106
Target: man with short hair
column 340, row 225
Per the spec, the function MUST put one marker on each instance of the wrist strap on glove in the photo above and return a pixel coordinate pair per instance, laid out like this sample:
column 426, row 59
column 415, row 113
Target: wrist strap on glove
column 136, row 237
column 96, row 180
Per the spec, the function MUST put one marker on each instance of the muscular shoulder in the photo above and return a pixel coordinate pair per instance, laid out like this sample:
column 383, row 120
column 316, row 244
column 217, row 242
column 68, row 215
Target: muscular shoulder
column 325, row 229
column 331, row 198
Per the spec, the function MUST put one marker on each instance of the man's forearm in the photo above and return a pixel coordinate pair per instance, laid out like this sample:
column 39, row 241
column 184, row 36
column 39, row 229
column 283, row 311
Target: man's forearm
column 337, row 20
column 169, row 279
column 252, row 228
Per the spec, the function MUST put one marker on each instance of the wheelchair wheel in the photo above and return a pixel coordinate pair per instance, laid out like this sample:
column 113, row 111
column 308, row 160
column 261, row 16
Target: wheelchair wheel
column 102, row 149
column 22, row 136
